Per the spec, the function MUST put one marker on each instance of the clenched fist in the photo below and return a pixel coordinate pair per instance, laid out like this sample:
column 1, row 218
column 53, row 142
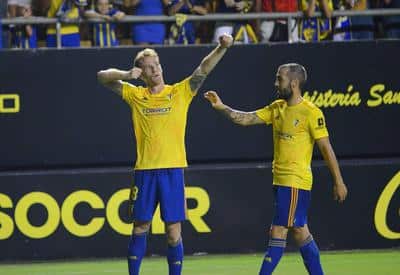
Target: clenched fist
column 226, row 40
column 135, row 73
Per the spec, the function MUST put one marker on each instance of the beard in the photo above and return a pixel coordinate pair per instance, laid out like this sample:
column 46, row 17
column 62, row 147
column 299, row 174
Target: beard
column 285, row 93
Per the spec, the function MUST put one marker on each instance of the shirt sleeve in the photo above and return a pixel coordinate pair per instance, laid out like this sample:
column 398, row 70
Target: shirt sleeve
column 184, row 88
column 265, row 114
column 317, row 124
column 128, row 93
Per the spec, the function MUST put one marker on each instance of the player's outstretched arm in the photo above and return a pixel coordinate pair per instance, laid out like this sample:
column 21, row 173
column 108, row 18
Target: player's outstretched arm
column 238, row 117
column 210, row 61
column 339, row 188
column 112, row 78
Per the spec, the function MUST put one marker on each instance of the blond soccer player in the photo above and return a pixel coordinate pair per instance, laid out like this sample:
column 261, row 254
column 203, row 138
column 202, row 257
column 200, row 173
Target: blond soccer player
column 159, row 114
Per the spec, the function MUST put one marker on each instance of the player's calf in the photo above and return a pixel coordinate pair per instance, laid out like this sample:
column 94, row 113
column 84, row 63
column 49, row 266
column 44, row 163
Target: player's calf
column 137, row 247
column 175, row 248
column 310, row 253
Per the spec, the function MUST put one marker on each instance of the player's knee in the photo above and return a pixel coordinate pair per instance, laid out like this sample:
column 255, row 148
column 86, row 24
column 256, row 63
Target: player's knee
column 141, row 227
column 279, row 232
column 300, row 234
column 173, row 233
column 173, row 237
column 173, row 240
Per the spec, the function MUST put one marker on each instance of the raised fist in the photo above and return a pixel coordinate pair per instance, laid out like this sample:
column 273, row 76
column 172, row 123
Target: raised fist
column 226, row 40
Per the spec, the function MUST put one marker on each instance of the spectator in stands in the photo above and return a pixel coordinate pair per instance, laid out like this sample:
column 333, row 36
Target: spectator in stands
column 148, row 33
column 392, row 23
column 241, row 32
column 342, row 30
column 316, row 29
column 362, row 27
column 205, row 29
column 104, row 33
column 355, row 27
column 65, row 9
column 276, row 30
column 22, row 36
column 183, row 32
column 13, row 7
column 40, row 7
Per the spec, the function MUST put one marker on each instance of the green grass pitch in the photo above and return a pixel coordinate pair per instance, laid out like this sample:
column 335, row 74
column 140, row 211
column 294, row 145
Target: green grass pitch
column 383, row 262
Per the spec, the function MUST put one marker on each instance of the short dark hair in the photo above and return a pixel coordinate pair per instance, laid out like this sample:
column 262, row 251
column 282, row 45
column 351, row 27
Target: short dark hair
column 296, row 71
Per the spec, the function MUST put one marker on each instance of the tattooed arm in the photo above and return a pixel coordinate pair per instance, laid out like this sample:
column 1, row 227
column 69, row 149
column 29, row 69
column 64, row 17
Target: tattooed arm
column 209, row 62
column 241, row 118
column 238, row 117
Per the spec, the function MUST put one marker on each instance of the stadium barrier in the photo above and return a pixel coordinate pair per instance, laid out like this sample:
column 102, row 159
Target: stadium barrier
column 237, row 17
column 83, row 213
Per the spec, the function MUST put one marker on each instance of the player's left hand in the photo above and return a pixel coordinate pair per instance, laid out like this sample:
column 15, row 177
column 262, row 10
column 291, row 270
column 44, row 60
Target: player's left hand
column 226, row 40
column 339, row 191
column 214, row 99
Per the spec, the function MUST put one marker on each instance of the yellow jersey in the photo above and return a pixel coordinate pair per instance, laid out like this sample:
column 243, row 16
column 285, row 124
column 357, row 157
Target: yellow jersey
column 71, row 12
column 295, row 128
column 304, row 5
column 159, row 122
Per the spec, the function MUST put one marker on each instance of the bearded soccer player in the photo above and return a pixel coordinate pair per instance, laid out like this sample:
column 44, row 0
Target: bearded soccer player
column 297, row 125
column 159, row 114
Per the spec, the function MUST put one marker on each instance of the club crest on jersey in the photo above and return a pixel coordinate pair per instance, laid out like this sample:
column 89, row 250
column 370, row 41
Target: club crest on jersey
column 169, row 96
column 296, row 122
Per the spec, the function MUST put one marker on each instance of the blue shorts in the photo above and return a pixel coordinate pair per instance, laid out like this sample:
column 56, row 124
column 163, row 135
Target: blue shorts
column 163, row 186
column 291, row 206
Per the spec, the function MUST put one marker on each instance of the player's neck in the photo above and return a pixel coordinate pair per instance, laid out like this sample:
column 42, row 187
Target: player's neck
column 294, row 100
column 156, row 88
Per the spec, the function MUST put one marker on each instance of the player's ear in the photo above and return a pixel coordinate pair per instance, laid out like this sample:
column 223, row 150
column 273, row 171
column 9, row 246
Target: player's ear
column 294, row 83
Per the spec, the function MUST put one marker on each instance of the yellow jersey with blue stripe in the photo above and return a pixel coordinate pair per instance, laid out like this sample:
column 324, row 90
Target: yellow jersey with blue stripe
column 71, row 12
column 159, row 122
column 295, row 128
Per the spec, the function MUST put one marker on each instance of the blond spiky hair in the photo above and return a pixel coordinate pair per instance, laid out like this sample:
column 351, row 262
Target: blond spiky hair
column 142, row 54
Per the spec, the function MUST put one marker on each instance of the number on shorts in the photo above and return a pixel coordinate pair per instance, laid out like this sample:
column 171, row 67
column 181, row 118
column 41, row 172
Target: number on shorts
column 134, row 192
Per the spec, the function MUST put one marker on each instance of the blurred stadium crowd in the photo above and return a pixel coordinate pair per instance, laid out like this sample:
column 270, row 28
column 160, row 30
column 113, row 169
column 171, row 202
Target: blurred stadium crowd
column 108, row 31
